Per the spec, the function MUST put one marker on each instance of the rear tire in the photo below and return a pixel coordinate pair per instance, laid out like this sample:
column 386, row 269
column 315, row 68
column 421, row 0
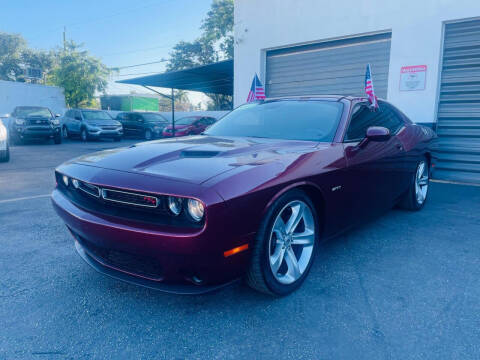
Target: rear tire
column 279, row 263
column 416, row 196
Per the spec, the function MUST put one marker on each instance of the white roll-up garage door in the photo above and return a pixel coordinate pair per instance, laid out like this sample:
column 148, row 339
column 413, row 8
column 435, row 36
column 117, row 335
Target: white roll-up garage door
column 458, row 125
column 329, row 67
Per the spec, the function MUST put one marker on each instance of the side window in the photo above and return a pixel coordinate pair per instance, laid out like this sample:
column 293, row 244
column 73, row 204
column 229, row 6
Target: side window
column 211, row 121
column 362, row 118
column 77, row 115
column 390, row 119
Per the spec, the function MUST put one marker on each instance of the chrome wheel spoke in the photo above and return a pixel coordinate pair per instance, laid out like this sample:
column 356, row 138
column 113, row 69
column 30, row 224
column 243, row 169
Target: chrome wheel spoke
column 305, row 238
column 292, row 263
column 276, row 259
column 297, row 215
column 423, row 181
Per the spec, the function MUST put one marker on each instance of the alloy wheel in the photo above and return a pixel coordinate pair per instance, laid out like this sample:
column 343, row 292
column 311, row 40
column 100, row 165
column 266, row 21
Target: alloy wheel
column 291, row 242
column 65, row 132
column 421, row 182
column 83, row 135
column 148, row 135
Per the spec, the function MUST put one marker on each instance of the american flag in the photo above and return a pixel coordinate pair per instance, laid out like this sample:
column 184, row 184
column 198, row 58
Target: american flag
column 257, row 92
column 369, row 87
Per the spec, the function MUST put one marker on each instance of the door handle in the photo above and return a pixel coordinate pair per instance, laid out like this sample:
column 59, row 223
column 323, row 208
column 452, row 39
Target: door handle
column 399, row 146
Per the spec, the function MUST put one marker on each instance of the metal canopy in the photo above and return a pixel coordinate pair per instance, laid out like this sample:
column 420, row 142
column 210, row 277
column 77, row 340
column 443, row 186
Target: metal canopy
column 216, row 78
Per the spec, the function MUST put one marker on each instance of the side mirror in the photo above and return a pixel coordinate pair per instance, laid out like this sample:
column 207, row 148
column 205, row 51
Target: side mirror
column 374, row 133
column 57, row 115
column 78, row 118
column 378, row 133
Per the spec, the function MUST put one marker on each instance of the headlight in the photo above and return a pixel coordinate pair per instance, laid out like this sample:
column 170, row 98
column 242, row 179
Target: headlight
column 19, row 121
column 56, row 122
column 175, row 205
column 195, row 209
column 75, row 183
column 65, row 180
column 3, row 133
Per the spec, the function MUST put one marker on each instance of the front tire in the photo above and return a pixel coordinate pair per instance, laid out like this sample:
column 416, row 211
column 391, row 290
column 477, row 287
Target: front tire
column 57, row 139
column 285, row 245
column 148, row 135
column 65, row 133
column 84, row 135
column 416, row 195
column 5, row 157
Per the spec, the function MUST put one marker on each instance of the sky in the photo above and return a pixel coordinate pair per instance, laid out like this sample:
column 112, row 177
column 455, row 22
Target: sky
column 119, row 32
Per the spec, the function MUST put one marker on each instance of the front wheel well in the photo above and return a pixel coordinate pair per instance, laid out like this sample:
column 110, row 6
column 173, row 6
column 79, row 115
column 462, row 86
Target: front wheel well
column 318, row 201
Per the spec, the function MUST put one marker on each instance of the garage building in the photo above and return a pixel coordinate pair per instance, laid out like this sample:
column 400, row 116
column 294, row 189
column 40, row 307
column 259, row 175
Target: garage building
column 425, row 58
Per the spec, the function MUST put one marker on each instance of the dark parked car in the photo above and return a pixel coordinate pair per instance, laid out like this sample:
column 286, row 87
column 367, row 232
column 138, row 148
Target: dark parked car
column 190, row 125
column 90, row 124
column 146, row 125
column 34, row 123
column 250, row 197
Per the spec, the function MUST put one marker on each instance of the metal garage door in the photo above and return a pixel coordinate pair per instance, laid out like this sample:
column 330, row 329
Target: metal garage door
column 458, row 125
column 333, row 67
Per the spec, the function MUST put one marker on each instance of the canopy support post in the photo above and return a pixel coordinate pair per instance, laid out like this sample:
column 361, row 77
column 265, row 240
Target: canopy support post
column 172, row 98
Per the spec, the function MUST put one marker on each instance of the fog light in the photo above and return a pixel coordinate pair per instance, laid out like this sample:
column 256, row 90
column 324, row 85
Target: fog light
column 65, row 180
column 195, row 209
column 175, row 205
column 75, row 183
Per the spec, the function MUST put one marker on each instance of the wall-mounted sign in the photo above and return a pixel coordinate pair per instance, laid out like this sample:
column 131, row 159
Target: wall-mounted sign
column 413, row 77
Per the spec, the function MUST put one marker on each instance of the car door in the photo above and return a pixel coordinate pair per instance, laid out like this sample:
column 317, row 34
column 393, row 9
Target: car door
column 122, row 118
column 372, row 166
column 77, row 121
column 139, row 125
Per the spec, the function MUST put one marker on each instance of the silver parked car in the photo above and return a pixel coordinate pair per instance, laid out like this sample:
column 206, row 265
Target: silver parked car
column 90, row 124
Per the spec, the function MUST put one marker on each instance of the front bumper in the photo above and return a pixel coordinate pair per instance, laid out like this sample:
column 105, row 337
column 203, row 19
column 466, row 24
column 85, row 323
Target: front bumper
column 95, row 133
column 35, row 132
column 185, row 261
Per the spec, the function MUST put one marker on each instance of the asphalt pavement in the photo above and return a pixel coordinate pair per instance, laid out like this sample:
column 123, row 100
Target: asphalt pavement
column 405, row 286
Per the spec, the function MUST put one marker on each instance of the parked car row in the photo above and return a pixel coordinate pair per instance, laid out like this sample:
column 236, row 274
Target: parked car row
column 35, row 122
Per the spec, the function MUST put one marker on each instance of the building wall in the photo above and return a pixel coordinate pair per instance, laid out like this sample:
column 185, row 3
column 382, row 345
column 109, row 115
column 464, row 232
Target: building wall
column 14, row 94
column 416, row 26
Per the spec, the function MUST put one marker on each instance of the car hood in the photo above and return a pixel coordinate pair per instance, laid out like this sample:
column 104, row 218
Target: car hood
column 196, row 159
column 103, row 122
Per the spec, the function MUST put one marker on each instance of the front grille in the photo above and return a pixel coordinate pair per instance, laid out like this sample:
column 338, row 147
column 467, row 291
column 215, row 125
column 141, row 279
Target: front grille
column 39, row 128
column 109, row 128
column 37, row 122
column 128, row 205
column 130, row 198
column 89, row 189
column 123, row 261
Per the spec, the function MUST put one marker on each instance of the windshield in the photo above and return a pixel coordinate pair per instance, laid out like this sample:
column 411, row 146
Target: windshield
column 154, row 118
column 24, row 112
column 96, row 115
column 311, row 120
column 186, row 120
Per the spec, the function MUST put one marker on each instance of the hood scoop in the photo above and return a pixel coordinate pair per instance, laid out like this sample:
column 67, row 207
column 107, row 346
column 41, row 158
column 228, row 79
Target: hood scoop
column 198, row 154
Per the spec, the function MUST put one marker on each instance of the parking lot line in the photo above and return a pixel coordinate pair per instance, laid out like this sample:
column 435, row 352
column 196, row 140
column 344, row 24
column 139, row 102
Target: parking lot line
column 24, row 198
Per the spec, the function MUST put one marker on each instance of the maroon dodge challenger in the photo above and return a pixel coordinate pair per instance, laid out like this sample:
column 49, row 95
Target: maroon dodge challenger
column 250, row 197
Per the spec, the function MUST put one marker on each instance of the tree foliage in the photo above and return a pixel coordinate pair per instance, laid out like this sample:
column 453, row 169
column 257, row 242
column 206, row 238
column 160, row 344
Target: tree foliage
column 79, row 74
column 214, row 44
column 16, row 57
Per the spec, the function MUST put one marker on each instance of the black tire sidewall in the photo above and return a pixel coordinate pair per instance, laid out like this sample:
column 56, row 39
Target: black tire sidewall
column 264, row 234
column 148, row 131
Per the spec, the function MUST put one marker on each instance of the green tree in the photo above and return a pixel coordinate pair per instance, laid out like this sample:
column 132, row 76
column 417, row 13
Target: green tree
column 11, row 48
column 79, row 74
column 214, row 44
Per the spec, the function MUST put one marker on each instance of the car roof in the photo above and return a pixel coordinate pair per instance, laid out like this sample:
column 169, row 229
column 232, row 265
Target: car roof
column 321, row 97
